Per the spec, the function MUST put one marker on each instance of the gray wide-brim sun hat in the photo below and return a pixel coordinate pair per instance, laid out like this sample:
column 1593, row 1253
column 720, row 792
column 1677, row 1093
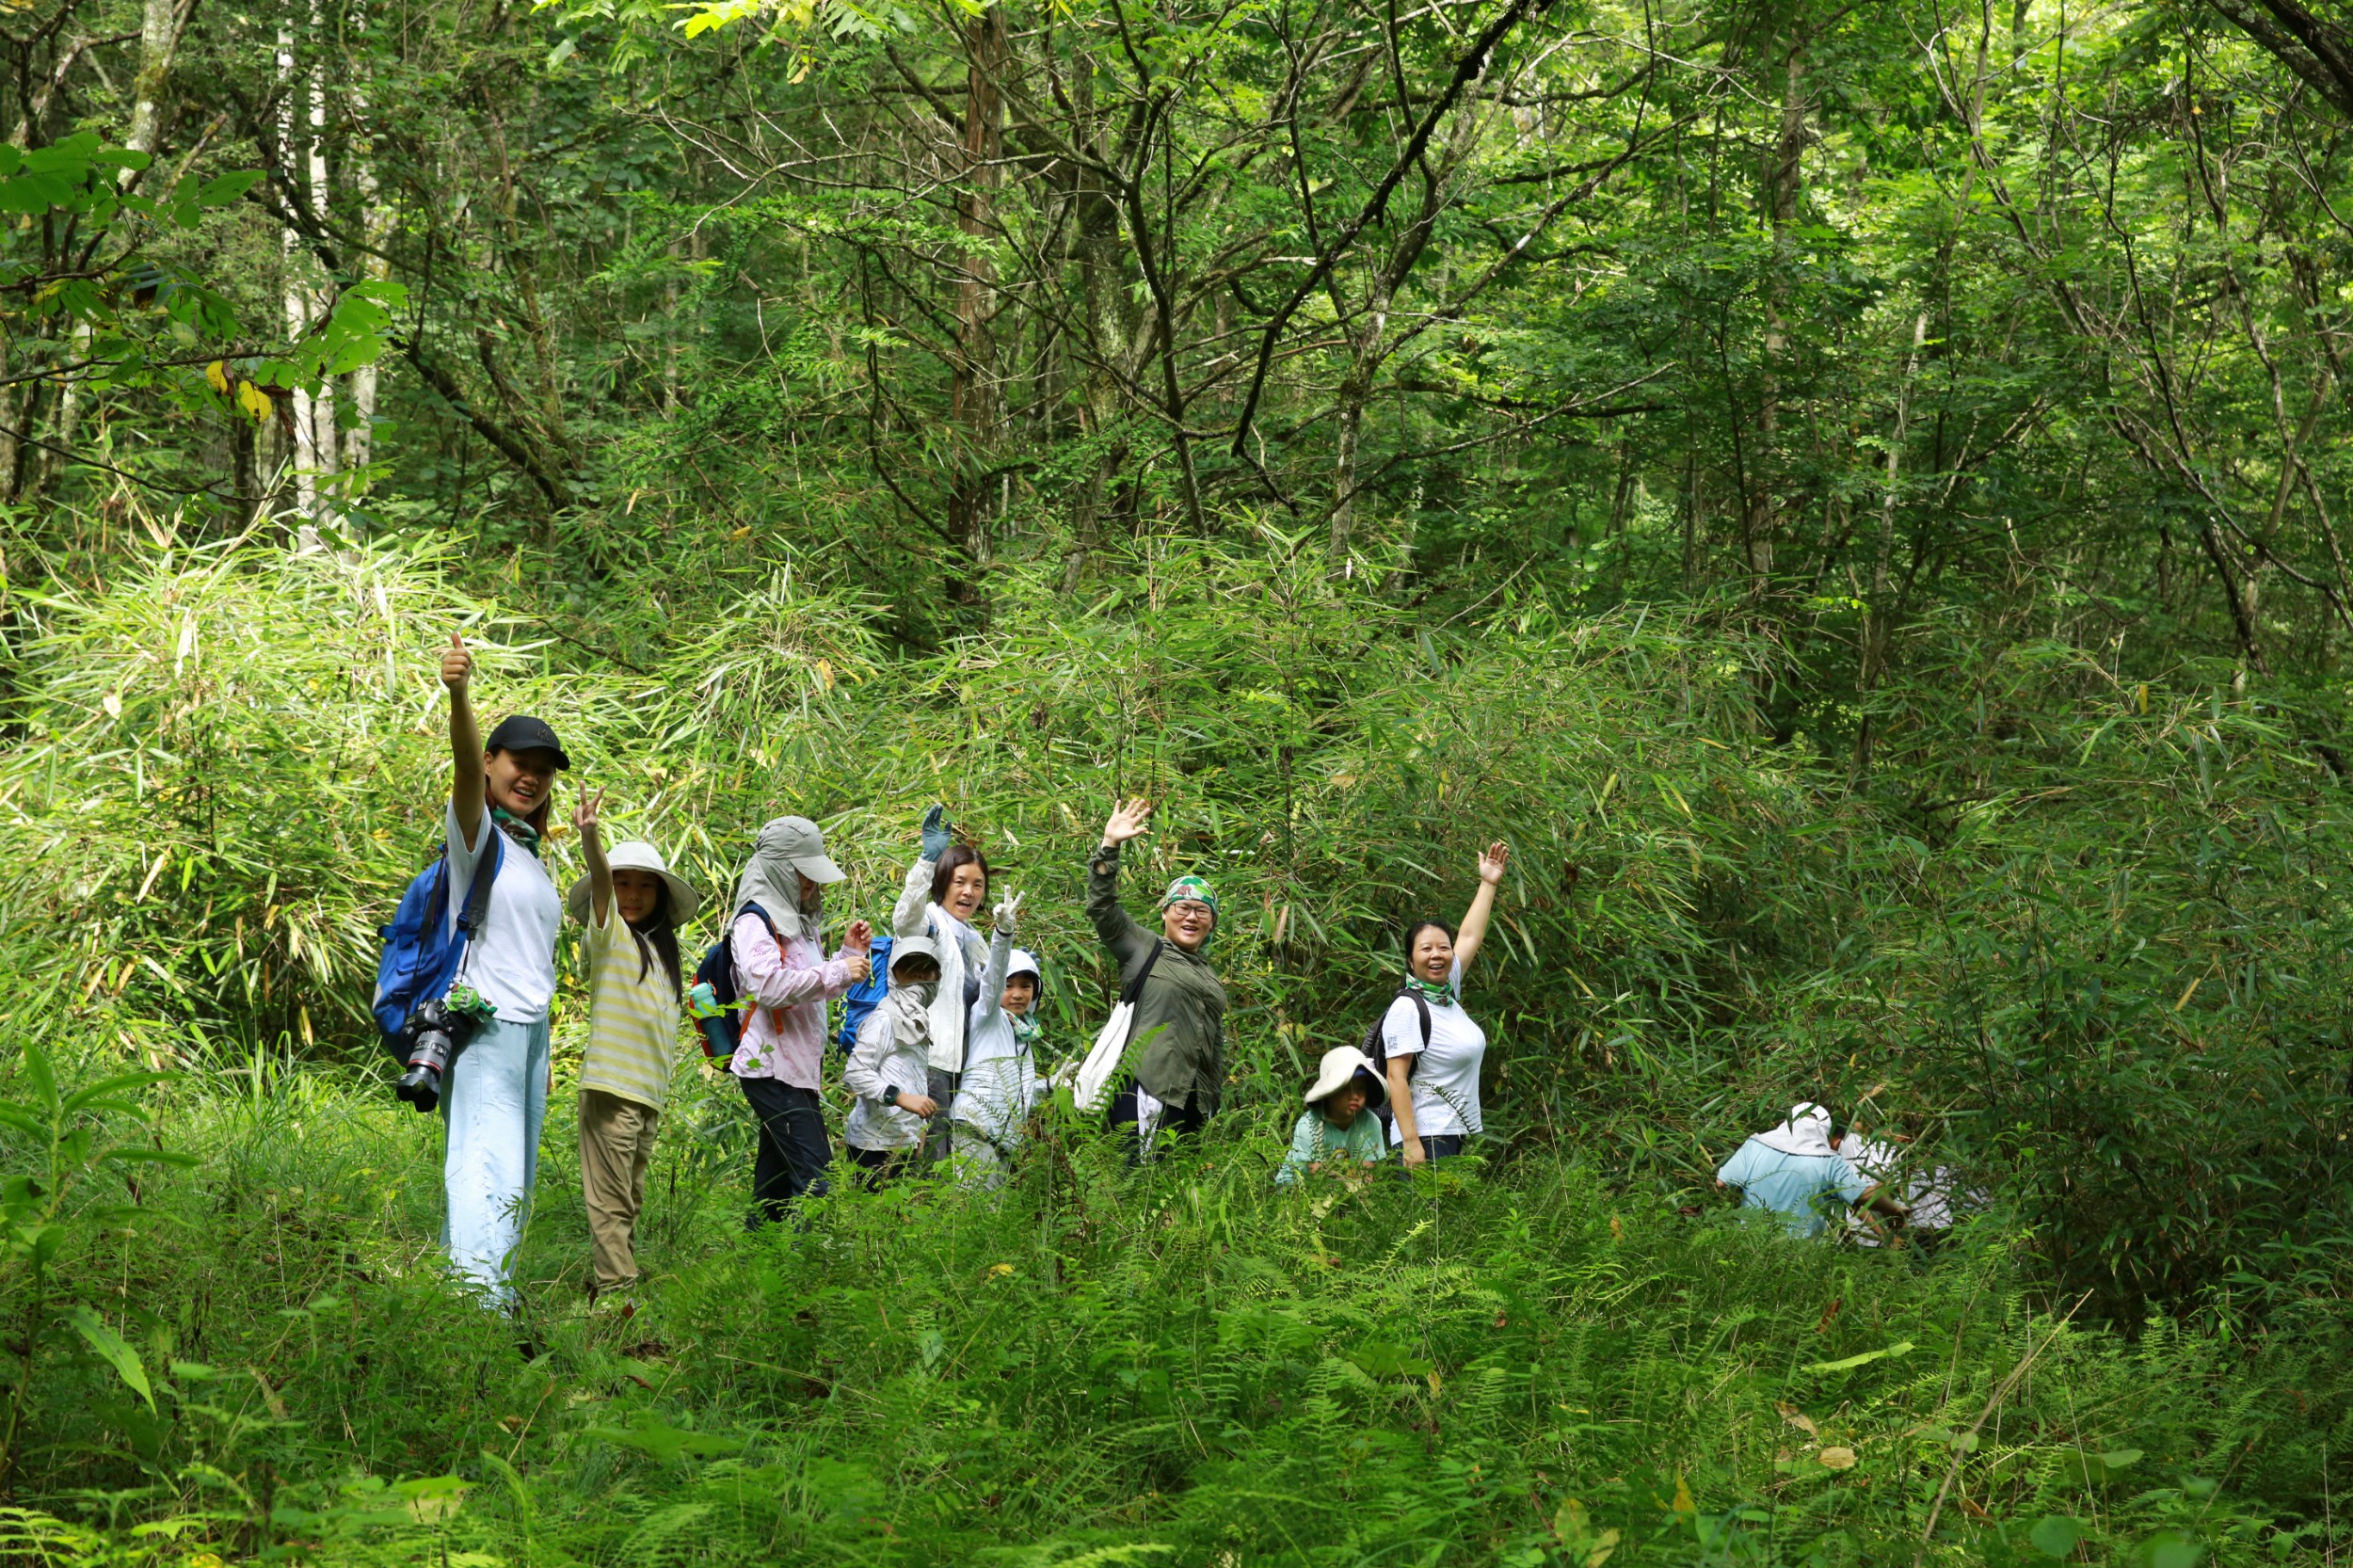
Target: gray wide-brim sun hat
column 802, row 843
column 636, row 854
column 904, row 948
column 1340, row 1065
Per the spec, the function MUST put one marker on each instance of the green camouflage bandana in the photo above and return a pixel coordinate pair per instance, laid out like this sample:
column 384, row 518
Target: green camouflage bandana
column 1190, row 888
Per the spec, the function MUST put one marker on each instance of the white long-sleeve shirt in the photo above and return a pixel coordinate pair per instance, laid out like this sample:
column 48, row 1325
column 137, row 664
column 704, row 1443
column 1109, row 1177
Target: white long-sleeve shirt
column 961, row 955
column 1001, row 1081
column 893, row 1053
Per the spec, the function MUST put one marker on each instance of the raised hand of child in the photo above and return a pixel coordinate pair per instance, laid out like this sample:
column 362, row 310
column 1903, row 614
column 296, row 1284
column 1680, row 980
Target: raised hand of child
column 1009, row 913
column 584, row 815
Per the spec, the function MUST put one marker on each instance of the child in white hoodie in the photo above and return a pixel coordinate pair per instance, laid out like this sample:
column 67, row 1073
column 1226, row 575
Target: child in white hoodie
column 1000, row 1083
column 888, row 1069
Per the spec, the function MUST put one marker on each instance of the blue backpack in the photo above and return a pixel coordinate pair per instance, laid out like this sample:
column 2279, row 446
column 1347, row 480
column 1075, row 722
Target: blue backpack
column 723, row 1029
column 864, row 996
column 421, row 950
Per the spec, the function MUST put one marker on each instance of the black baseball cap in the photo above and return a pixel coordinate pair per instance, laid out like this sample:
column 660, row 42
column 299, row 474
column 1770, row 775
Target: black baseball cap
column 521, row 732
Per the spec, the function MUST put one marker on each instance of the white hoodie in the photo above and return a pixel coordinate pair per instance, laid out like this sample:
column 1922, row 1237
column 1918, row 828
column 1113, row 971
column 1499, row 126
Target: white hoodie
column 962, row 956
column 893, row 1047
column 1001, row 1082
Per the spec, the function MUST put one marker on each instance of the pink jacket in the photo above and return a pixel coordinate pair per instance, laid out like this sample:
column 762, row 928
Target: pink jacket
column 784, row 1030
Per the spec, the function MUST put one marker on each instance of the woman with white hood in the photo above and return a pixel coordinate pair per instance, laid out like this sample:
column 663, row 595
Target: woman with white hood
column 1790, row 1169
column 1000, row 1083
column 945, row 889
column 781, row 970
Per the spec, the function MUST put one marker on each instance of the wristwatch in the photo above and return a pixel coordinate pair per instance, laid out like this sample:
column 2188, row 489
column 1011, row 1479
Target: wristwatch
column 890, row 1095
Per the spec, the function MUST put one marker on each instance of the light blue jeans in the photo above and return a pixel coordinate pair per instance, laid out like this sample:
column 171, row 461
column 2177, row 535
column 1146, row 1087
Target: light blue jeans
column 495, row 1099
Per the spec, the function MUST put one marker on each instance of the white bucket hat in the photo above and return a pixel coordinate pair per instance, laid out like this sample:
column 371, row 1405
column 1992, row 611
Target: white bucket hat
column 636, row 854
column 1339, row 1067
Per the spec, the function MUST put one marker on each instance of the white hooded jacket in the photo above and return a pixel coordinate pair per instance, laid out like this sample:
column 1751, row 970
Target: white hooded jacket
column 963, row 955
column 892, row 1045
column 1000, row 1083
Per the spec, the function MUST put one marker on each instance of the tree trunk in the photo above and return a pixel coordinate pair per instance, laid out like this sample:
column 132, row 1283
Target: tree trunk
column 1784, row 175
column 309, row 294
column 162, row 24
column 1877, row 616
column 1111, row 329
column 975, row 405
column 1364, row 363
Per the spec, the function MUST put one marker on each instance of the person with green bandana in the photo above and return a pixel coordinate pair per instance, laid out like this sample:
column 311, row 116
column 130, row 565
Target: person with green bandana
column 1434, row 1049
column 494, row 1096
column 1180, row 1008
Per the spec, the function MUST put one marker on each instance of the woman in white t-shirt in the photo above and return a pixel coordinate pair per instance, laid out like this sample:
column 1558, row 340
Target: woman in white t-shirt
column 495, row 1093
column 1434, row 1073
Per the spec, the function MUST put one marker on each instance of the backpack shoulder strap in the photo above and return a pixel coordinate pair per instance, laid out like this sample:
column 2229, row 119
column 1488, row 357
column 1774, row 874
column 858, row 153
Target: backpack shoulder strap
column 477, row 908
column 1135, row 987
column 1421, row 1005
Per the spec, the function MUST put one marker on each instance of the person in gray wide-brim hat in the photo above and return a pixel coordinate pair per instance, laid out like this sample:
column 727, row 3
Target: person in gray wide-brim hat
column 788, row 849
column 776, row 961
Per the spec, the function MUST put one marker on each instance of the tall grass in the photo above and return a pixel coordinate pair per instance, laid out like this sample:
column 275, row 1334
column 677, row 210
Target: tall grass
column 2087, row 948
column 1182, row 1364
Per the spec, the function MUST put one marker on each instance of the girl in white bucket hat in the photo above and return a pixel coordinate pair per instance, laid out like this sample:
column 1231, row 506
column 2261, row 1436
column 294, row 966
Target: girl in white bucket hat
column 1336, row 1133
column 632, row 905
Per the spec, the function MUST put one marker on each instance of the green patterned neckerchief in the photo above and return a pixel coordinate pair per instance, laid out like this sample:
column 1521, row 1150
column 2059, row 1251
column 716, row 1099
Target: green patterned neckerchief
column 1436, row 994
column 516, row 828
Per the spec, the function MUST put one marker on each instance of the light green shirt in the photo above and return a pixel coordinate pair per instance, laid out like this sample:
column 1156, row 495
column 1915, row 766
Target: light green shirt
column 1315, row 1141
column 633, row 1016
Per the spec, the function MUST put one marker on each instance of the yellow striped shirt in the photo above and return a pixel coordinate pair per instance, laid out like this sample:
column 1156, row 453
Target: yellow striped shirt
column 633, row 1022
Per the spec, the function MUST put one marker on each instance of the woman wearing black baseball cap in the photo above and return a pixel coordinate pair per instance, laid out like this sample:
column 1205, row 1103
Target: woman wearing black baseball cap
column 495, row 1091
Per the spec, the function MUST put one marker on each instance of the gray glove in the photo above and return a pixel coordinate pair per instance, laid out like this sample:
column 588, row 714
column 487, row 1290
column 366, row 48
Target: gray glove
column 936, row 837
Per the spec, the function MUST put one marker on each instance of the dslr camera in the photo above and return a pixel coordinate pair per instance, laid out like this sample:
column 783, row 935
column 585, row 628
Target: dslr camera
column 436, row 1031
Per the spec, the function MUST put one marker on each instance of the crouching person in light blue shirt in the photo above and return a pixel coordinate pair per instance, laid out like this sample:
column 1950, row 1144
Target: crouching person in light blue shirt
column 1795, row 1170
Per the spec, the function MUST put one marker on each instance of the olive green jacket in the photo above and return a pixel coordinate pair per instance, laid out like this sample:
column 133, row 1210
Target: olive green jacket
column 1181, row 1014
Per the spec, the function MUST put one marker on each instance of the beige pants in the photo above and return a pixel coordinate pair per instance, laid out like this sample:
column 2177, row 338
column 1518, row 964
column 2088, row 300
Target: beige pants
column 615, row 1143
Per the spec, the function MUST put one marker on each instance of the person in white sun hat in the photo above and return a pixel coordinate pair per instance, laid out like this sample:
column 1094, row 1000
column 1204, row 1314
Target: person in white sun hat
column 631, row 904
column 1338, row 1134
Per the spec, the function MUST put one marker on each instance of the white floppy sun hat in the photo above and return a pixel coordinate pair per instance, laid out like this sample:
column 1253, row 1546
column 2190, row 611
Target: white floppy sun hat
column 636, row 854
column 1339, row 1067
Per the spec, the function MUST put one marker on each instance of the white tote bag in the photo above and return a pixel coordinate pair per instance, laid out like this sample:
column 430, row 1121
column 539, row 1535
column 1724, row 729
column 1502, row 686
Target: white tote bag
column 1101, row 1066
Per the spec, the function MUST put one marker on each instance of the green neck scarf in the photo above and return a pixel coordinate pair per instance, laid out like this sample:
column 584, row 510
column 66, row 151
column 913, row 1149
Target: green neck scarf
column 1433, row 992
column 516, row 828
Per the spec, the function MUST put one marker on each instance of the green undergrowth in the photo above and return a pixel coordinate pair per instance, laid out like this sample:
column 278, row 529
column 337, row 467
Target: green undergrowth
column 1512, row 1362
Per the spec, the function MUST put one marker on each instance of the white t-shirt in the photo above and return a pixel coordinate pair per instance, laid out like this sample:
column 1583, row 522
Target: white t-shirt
column 1446, row 1081
column 511, row 961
